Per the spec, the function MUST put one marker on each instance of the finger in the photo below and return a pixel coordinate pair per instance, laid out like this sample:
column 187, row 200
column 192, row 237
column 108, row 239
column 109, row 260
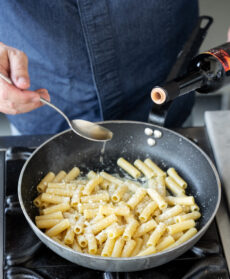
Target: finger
column 4, row 61
column 229, row 34
column 9, row 107
column 34, row 105
column 43, row 93
column 12, row 94
column 19, row 68
column 22, row 108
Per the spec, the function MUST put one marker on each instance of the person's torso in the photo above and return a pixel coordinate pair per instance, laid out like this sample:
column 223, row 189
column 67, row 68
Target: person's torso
column 98, row 59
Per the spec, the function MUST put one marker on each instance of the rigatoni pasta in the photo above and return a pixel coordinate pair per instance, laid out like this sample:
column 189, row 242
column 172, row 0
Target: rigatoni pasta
column 148, row 172
column 179, row 180
column 118, row 247
column 129, row 168
column 43, row 184
column 106, row 215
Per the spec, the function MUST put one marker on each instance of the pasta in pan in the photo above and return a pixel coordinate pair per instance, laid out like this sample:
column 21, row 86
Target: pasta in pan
column 106, row 215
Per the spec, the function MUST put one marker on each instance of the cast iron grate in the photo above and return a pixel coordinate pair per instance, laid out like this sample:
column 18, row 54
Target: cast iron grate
column 25, row 257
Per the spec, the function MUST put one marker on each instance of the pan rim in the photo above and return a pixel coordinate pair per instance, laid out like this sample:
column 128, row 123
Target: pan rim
column 110, row 259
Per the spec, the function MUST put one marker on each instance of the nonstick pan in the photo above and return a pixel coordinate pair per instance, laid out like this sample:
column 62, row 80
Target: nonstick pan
column 66, row 150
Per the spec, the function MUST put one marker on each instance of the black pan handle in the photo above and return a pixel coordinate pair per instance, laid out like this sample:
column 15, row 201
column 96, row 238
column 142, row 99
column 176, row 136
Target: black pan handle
column 190, row 49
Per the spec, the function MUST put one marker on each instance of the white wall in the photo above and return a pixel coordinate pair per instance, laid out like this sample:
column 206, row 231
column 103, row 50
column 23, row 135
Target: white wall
column 220, row 11
column 217, row 35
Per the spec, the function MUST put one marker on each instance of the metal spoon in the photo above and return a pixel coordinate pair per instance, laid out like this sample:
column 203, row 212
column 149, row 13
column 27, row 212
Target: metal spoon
column 83, row 128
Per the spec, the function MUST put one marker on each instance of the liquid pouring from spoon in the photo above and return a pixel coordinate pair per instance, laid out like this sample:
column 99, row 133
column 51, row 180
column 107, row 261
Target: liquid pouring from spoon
column 83, row 128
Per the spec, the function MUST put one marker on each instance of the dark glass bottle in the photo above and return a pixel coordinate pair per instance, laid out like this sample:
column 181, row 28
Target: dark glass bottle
column 207, row 72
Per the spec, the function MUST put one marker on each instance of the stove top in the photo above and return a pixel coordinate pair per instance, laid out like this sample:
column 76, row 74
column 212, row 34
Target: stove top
column 22, row 255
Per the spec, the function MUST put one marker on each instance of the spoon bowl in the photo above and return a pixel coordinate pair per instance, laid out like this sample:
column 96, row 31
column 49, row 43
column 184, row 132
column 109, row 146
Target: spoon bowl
column 91, row 130
column 83, row 128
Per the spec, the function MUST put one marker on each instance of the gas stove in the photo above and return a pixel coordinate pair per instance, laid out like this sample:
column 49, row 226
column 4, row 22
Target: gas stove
column 22, row 255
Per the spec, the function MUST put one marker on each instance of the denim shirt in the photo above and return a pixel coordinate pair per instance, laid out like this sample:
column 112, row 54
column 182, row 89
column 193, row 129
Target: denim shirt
column 98, row 59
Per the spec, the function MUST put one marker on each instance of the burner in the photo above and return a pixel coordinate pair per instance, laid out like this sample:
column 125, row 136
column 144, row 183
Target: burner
column 211, row 267
column 20, row 242
column 26, row 257
column 204, row 248
column 19, row 247
column 21, row 273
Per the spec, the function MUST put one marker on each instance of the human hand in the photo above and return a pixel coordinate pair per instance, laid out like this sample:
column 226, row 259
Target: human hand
column 16, row 98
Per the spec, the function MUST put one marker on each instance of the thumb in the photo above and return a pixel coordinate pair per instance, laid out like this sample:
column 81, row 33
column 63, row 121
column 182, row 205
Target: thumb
column 19, row 68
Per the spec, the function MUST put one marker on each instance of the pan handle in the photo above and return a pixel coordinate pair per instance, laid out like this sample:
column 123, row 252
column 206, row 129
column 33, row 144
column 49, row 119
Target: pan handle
column 159, row 113
column 191, row 47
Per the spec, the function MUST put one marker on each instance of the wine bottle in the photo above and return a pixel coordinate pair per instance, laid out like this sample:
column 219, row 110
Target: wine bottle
column 206, row 73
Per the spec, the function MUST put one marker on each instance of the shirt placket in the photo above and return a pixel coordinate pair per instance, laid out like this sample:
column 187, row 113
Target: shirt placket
column 98, row 33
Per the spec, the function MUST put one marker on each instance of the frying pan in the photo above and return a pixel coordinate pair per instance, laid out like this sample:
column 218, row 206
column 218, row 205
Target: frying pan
column 67, row 149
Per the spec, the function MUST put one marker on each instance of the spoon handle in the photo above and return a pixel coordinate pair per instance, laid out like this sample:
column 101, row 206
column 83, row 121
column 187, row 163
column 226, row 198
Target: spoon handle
column 6, row 79
column 44, row 101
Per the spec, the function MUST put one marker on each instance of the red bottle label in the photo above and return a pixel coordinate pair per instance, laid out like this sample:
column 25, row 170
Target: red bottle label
column 222, row 53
